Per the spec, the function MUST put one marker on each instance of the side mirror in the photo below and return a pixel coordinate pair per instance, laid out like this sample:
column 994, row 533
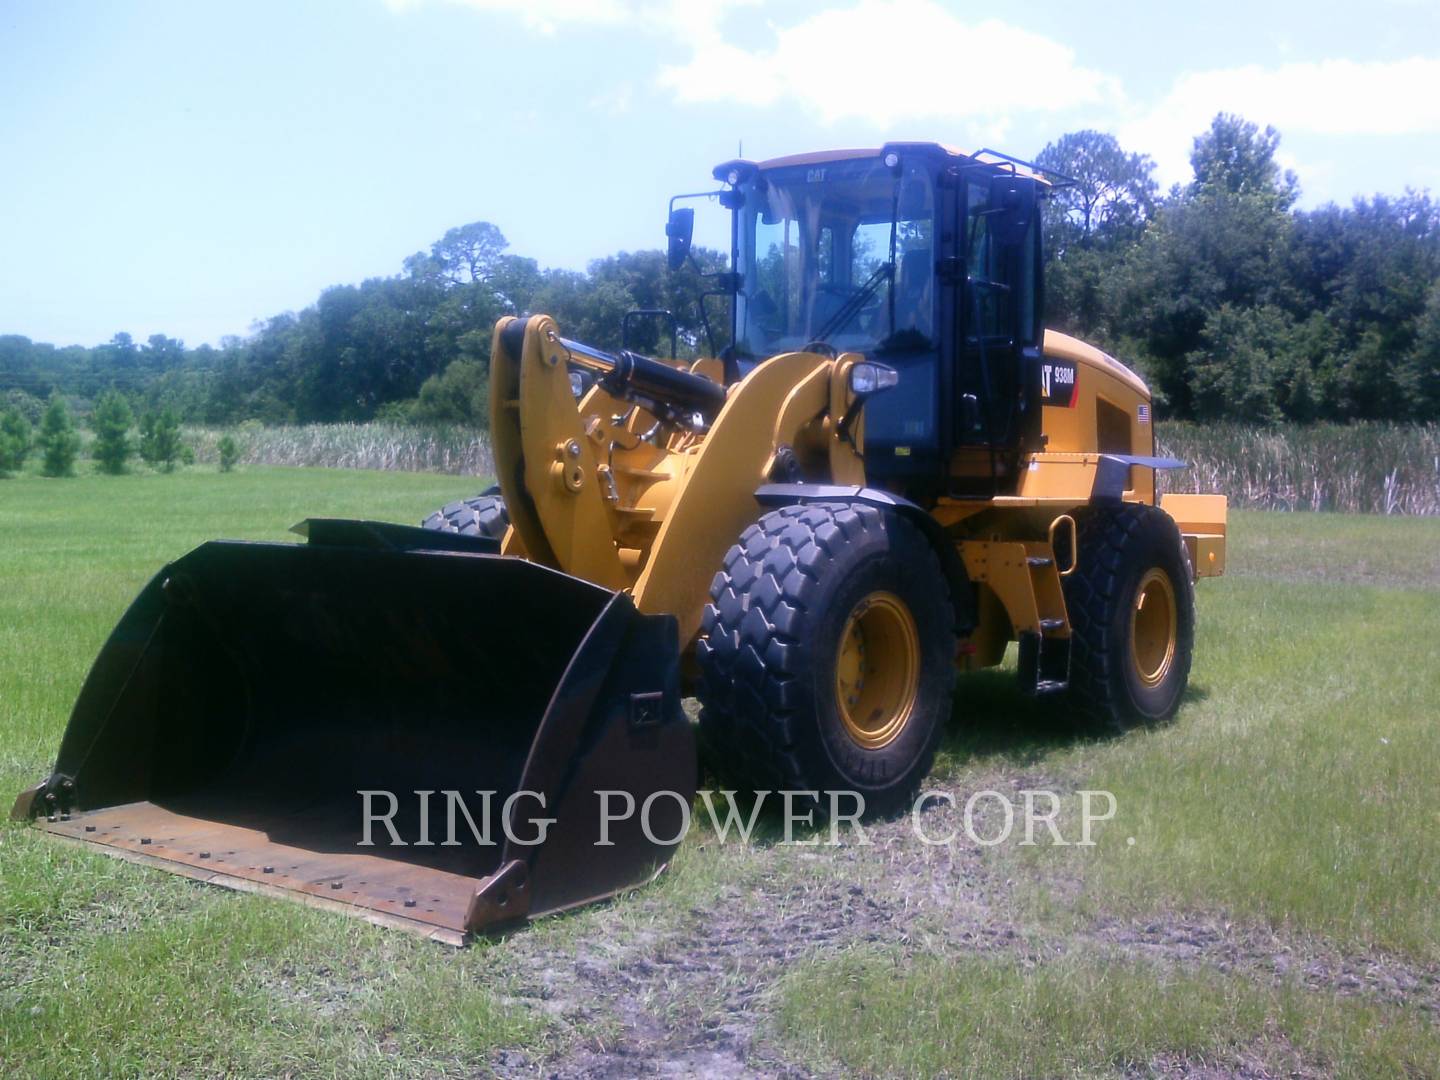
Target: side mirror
column 679, row 230
column 1013, row 199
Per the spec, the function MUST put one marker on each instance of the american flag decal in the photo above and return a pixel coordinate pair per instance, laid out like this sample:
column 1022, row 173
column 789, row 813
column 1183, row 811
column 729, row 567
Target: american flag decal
column 1143, row 414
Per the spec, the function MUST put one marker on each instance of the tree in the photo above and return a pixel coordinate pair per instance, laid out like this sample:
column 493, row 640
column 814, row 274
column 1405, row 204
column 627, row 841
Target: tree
column 26, row 404
column 14, row 440
column 58, row 442
column 1113, row 195
column 1234, row 156
column 461, row 395
column 1242, row 359
column 111, row 421
column 1088, row 227
column 1424, row 363
column 229, row 451
column 160, row 439
column 465, row 255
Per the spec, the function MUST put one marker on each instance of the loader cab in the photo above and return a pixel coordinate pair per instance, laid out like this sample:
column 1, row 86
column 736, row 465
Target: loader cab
column 923, row 259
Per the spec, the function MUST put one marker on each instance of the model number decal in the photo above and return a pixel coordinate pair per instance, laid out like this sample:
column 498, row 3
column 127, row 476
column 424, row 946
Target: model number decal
column 1058, row 384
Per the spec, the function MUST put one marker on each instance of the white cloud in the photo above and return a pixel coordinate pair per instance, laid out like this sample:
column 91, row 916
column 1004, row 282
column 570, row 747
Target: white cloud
column 615, row 102
column 544, row 16
column 693, row 19
column 887, row 60
column 1327, row 97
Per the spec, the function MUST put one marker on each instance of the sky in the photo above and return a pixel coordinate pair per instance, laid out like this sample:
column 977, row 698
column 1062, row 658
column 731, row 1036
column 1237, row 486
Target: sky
column 188, row 168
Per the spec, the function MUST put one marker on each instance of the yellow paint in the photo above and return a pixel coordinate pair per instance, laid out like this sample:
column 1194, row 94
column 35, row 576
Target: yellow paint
column 877, row 670
column 603, row 492
column 1153, row 627
column 715, row 497
column 557, row 462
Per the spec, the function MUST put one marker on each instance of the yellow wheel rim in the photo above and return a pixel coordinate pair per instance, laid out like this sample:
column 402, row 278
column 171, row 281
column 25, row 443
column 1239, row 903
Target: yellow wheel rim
column 877, row 670
column 1153, row 627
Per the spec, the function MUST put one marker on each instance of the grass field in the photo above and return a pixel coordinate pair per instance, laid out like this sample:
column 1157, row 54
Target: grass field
column 1277, row 912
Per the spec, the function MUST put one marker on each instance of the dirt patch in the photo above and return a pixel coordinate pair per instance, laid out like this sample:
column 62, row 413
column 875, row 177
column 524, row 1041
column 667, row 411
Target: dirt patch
column 645, row 990
column 688, row 1001
column 1257, row 952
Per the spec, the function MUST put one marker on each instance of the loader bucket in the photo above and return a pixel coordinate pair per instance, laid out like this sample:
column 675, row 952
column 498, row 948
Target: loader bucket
column 253, row 692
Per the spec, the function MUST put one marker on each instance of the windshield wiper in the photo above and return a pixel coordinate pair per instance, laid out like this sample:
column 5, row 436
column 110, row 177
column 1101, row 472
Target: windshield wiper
column 856, row 303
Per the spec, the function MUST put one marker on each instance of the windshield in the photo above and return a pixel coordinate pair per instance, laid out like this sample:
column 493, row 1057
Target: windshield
column 816, row 257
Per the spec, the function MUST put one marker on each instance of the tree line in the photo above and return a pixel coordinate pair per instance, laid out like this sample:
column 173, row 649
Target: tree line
column 1231, row 301
column 1234, row 304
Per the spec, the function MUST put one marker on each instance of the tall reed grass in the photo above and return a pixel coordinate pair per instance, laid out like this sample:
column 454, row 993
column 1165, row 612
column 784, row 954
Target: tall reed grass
column 1357, row 468
column 460, row 451
column 1371, row 468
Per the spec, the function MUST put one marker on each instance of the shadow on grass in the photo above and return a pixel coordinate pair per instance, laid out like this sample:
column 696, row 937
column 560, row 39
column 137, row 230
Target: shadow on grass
column 992, row 722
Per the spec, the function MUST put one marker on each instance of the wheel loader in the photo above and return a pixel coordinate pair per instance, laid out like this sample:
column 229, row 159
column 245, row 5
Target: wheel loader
column 888, row 473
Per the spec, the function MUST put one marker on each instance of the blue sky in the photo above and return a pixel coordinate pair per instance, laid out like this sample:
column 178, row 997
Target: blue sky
column 188, row 168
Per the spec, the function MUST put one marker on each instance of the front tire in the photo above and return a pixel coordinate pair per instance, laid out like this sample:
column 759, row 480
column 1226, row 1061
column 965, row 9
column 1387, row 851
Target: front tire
column 827, row 656
column 484, row 515
column 1131, row 603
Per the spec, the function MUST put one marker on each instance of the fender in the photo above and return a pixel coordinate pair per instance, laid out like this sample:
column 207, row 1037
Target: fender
column 962, row 592
column 1113, row 472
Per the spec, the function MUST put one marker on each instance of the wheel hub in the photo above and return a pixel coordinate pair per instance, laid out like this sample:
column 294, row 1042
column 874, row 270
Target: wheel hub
column 877, row 670
column 1153, row 623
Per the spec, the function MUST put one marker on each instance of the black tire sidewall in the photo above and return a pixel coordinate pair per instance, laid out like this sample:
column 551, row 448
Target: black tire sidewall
column 897, row 561
column 1152, row 546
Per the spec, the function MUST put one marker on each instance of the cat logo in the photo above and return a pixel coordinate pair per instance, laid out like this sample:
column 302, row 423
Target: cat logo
column 1058, row 385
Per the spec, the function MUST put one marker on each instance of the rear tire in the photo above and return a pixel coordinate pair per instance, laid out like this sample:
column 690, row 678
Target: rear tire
column 1131, row 603
column 484, row 515
column 827, row 656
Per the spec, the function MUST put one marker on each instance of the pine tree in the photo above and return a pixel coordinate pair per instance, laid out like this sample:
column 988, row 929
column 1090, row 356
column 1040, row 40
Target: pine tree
column 59, row 444
column 229, row 452
column 160, row 439
column 112, row 420
column 14, row 441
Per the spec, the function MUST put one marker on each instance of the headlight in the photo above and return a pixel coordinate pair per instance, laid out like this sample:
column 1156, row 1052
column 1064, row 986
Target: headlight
column 867, row 378
column 577, row 384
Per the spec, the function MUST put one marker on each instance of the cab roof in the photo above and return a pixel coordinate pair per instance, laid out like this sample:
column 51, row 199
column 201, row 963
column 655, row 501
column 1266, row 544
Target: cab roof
column 819, row 157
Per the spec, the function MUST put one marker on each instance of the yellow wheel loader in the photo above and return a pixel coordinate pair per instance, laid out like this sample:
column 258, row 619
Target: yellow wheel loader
column 889, row 473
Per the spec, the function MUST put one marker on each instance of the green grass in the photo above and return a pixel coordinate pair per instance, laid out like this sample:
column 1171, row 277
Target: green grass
column 213, row 986
column 1296, row 787
column 109, row 969
column 1082, row 1015
column 1295, row 791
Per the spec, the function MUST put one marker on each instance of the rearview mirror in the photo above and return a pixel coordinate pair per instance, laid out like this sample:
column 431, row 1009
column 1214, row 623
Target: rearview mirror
column 1013, row 198
column 679, row 229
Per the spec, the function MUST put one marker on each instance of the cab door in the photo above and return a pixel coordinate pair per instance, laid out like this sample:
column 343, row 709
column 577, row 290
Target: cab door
column 997, row 377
